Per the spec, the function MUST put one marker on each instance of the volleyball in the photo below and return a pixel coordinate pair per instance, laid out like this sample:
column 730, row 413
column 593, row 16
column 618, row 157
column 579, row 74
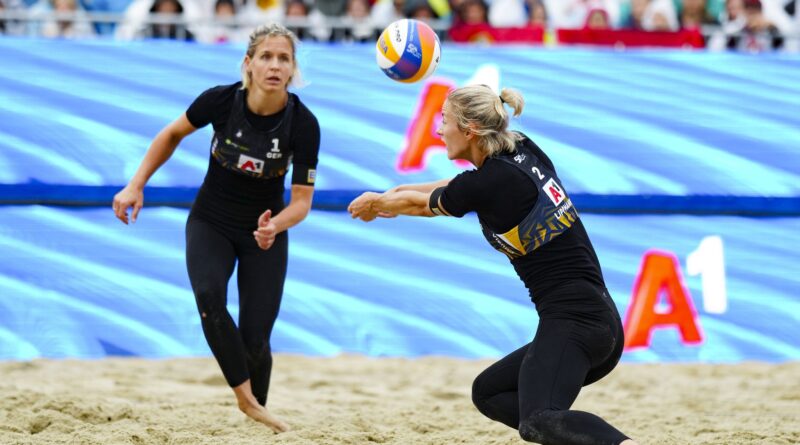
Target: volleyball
column 408, row 50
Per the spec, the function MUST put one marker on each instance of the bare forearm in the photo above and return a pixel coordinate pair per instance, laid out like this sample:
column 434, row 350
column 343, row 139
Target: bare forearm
column 160, row 151
column 408, row 202
column 290, row 216
column 426, row 187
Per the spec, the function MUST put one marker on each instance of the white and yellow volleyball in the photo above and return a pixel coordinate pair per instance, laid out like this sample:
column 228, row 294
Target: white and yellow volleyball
column 408, row 50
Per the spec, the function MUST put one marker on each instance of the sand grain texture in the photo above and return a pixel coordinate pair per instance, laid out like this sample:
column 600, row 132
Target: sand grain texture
column 362, row 400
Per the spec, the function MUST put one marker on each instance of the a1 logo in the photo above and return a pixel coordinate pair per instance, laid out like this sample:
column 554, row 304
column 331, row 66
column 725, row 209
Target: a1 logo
column 250, row 164
column 554, row 191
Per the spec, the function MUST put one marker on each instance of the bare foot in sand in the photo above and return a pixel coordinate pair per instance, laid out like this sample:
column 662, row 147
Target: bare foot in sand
column 261, row 414
column 250, row 406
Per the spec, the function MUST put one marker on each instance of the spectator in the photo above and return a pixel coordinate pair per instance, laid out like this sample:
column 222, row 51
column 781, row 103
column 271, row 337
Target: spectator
column 597, row 18
column 331, row 8
column 65, row 19
column 168, row 9
column 732, row 18
column 538, row 14
column 473, row 12
column 385, row 12
column 732, row 22
column 137, row 22
column 224, row 27
column 635, row 17
column 2, row 22
column 297, row 10
column 419, row 9
column 694, row 14
column 759, row 33
column 360, row 27
column 455, row 7
column 660, row 16
column 323, row 11
column 538, row 18
column 224, row 10
column 507, row 13
column 113, row 7
column 573, row 14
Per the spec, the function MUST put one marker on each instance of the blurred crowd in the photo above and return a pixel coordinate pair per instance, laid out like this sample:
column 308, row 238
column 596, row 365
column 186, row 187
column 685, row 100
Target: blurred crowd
column 751, row 25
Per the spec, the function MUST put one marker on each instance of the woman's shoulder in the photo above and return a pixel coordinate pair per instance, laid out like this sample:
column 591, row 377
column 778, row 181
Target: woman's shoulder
column 223, row 91
column 212, row 105
column 523, row 139
column 527, row 144
column 304, row 114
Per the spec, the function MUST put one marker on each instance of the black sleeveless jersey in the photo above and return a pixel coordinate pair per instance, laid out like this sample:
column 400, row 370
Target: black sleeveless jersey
column 551, row 215
column 525, row 213
column 252, row 151
column 250, row 155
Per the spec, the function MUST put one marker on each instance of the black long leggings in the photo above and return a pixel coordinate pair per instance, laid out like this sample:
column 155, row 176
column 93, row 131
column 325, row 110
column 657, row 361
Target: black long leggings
column 533, row 388
column 211, row 253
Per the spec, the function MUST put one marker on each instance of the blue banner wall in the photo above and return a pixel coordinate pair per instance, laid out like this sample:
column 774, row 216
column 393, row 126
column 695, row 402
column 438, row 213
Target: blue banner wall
column 665, row 123
column 77, row 283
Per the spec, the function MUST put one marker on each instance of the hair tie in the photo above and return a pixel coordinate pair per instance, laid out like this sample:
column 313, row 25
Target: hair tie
column 502, row 101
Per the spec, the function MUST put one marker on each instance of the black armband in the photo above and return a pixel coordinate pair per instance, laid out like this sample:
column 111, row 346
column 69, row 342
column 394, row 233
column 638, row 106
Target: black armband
column 303, row 174
column 435, row 202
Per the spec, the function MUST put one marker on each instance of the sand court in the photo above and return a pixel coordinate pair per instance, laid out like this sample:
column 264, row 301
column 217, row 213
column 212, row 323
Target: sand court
column 364, row 400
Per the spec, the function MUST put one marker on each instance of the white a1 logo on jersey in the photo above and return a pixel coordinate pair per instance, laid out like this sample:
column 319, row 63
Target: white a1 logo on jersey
column 250, row 164
column 554, row 191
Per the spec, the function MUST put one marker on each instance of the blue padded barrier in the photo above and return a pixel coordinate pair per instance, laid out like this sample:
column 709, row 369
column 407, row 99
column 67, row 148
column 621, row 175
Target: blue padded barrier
column 77, row 283
column 673, row 124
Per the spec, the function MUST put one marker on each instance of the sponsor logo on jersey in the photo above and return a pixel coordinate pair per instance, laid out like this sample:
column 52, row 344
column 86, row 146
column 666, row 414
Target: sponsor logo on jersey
column 235, row 145
column 247, row 163
column 519, row 158
column 554, row 191
column 564, row 208
column 312, row 176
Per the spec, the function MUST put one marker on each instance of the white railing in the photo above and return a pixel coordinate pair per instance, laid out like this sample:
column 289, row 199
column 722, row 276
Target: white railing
column 206, row 28
column 25, row 22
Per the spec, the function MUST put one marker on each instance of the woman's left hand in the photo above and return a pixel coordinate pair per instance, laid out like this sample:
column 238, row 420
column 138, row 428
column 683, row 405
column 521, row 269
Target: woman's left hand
column 361, row 207
column 266, row 232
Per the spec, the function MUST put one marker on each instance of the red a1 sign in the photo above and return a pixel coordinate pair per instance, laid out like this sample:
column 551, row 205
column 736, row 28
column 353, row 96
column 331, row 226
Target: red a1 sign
column 660, row 275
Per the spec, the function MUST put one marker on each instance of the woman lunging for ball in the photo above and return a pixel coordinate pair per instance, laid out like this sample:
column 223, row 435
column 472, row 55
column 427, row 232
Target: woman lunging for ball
column 525, row 214
column 239, row 213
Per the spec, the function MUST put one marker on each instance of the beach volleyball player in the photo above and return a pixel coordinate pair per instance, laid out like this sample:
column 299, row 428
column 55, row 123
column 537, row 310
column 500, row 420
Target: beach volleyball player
column 239, row 214
column 526, row 214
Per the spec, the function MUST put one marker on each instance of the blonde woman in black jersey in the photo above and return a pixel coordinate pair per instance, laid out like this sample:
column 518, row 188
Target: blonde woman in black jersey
column 526, row 214
column 239, row 215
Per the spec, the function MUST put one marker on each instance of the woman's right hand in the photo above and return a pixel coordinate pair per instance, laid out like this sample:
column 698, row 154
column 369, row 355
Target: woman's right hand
column 126, row 198
column 361, row 207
